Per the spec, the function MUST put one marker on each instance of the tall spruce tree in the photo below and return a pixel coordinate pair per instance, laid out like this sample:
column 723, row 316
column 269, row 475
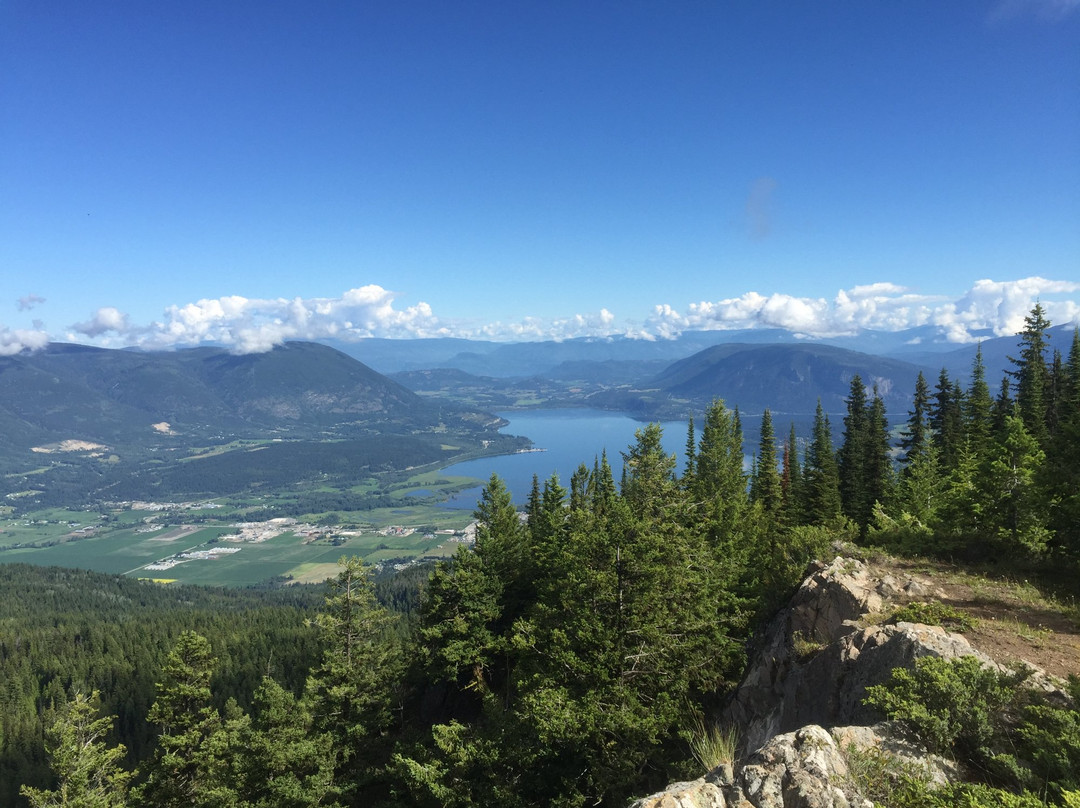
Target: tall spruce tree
column 766, row 487
column 1031, row 376
column 978, row 406
column 947, row 421
column 916, row 439
column 821, row 482
column 853, row 453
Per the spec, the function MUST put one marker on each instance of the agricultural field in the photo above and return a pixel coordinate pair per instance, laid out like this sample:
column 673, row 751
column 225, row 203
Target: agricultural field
column 144, row 539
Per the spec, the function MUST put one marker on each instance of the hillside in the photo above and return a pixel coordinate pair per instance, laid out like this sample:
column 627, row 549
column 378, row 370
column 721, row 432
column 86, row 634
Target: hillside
column 76, row 420
column 787, row 378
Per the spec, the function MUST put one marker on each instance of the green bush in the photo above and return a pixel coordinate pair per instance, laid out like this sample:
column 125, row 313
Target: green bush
column 934, row 613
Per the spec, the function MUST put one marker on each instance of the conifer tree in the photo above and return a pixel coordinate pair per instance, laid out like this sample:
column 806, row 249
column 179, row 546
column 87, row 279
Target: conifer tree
column 978, row 406
column 916, row 439
column 853, row 453
column 878, row 464
column 281, row 761
column 719, row 481
column 191, row 763
column 766, row 487
column 351, row 693
column 791, row 479
column 87, row 770
column 821, row 484
column 946, row 421
column 1031, row 375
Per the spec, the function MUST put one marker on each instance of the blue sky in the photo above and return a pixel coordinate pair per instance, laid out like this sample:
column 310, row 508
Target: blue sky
column 248, row 172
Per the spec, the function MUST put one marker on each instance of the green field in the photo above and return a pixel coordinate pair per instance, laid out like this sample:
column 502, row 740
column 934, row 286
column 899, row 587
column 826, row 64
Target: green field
column 125, row 540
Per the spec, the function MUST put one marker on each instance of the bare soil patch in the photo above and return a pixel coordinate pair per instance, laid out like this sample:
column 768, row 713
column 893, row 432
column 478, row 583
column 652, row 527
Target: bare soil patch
column 1016, row 621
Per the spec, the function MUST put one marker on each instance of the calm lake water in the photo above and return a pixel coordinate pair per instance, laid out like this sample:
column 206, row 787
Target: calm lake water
column 569, row 438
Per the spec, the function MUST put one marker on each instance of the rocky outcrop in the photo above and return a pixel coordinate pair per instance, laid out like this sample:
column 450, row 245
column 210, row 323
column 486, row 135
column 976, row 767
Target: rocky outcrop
column 816, row 660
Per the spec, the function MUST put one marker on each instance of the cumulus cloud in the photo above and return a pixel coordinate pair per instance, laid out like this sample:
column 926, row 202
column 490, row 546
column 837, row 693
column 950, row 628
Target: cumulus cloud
column 251, row 325
column 104, row 320
column 999, row 306
column 29, row 301
column 15, row 340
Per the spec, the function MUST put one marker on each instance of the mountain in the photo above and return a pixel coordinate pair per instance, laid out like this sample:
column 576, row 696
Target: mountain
column 72, row 392
column 786, row 378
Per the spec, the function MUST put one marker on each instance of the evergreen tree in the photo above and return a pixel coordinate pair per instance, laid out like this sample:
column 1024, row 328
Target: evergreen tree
column 766, row 487
column 878, row 464
column 87, row 770
column 649, row 474
column 791, row 480
column 191, row 764
column 978, row 406
column 281, row 761
column 851, row 458
column 1031, row 375
column 1017, row 508
column 821, row 484
column 916, row 440
column 947, row 421
column 352, row 692
column 719, row 482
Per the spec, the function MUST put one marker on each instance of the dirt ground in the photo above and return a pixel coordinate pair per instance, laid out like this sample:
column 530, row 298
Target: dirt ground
column 1014, row 620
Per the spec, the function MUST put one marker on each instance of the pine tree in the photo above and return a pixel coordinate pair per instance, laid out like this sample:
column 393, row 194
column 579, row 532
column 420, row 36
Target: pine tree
column 87, row 770
column 282, row 762
column 946, row 421
column 878, row 464
column 719, row 481
column 649, row 474
column 791, row 480
column 1017, row 508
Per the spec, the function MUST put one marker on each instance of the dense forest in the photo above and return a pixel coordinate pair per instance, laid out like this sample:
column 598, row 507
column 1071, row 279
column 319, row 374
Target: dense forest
column 568, row 657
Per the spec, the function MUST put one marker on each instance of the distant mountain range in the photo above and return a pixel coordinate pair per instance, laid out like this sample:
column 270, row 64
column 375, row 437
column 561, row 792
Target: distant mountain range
column 925, row 346
column 73, row 392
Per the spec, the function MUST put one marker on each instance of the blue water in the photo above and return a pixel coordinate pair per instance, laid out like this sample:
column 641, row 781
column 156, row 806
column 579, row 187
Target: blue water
column 569, row 438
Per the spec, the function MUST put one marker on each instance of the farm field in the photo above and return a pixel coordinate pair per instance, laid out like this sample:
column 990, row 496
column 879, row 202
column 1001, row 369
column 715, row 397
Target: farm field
column 125, row 544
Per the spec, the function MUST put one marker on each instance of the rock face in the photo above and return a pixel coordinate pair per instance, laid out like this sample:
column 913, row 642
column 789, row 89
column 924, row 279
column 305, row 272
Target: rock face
column 815, row 662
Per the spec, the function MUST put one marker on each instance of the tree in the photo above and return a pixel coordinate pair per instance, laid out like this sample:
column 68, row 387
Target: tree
column 1031, row 374
column 87, row 770
column 766, row 487
column 946, row 421
column 351, row 692
column 191, row 763
column 281, row 761
column 916, row 438
column 821, row 483
column 1016, row 505
column 851, row 458
column 978, row 406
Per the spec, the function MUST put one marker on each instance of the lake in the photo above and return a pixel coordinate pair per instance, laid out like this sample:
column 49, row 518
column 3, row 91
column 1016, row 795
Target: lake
column 569, row 437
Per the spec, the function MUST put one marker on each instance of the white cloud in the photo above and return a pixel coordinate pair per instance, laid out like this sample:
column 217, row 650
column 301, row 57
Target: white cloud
column 15, row 340
column 104, row 320
column 994, row 305
column 249, row 325
column 28, row 302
